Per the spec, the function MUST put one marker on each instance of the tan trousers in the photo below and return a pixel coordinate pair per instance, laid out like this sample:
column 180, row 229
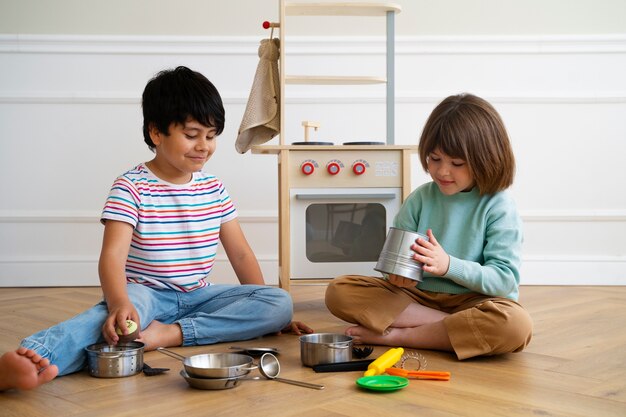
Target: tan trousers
column 477, row 324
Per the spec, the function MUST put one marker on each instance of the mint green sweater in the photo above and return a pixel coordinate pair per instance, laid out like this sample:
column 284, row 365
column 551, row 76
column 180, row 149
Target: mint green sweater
column 482, row 235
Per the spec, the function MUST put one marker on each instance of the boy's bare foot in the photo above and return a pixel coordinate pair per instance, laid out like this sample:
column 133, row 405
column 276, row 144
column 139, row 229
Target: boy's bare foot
column 158, row 334
column 25, row 369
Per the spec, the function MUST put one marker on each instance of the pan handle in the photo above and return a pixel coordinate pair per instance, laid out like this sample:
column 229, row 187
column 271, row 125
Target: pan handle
column 249, row 369
column 336, row 346
column 172, row 354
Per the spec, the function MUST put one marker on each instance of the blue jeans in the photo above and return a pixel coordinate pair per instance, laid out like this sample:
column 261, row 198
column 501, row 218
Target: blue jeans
column 214, row 314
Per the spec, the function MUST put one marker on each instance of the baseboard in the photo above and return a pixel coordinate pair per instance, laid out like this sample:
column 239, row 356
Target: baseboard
column 607, row 270
column 63, row 272
column 83, row 272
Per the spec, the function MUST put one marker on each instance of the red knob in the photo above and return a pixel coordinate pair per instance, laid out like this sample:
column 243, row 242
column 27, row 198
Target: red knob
column 333, row 168
column 307, row 168
column 358, row 168
column 266, row 25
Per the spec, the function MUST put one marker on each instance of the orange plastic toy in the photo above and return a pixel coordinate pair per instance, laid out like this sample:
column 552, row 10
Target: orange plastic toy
column 434, row 375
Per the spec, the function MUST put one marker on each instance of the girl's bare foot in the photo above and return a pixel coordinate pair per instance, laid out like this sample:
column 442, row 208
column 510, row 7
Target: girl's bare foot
column 364, row 336
column 25, row 369
column 428, row 336
column 158, row 334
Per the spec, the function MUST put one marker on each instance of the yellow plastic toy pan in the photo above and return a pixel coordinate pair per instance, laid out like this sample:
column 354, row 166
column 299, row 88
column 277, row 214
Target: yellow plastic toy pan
column 382, row 382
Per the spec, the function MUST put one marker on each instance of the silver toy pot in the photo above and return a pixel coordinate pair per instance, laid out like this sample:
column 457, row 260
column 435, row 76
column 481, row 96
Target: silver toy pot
column 115, row 361
column 396, row 256
column 322, row 348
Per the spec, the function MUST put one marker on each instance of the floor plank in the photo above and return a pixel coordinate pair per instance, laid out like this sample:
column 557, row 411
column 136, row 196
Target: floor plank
column 575, row 366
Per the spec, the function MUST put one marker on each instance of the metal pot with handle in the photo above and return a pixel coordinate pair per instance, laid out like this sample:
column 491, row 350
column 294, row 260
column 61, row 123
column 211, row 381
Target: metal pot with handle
column 115, row 361
column 321, row 348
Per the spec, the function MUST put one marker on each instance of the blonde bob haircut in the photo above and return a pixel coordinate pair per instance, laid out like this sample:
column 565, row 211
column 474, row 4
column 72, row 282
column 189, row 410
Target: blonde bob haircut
column 467, row 127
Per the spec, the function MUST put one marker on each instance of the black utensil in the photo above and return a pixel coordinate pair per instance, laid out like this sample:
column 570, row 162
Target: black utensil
column 343, row 366
column 150, row 371
column 255, row 351
column 362, row 352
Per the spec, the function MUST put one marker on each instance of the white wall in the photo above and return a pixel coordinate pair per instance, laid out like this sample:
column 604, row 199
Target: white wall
column 244, row 17
column 70, row 121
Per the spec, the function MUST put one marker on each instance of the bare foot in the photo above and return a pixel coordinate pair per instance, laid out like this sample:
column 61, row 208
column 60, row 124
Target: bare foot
column 428, row 336
column 364, row 336
column 158, row 334
column 25, row 369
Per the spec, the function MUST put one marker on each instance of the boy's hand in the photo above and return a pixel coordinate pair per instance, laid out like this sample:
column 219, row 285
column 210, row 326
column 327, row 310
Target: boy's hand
column 431, row 254
column 117, row 318
column 296, row 327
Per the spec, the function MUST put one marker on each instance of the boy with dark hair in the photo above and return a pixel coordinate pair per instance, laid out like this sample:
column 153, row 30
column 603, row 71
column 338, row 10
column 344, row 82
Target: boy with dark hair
column 162, row 223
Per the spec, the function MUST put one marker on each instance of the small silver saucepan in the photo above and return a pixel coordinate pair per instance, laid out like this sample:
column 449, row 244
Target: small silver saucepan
column 323, row 348
column 214, row 365
column 115, row 361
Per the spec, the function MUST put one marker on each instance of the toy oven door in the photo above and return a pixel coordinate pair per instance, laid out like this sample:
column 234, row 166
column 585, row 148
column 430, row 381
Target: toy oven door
column 339, row 231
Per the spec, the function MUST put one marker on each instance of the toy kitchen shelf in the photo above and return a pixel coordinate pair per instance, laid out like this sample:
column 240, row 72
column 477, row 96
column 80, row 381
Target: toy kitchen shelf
column 387, row 10
column 290, row 156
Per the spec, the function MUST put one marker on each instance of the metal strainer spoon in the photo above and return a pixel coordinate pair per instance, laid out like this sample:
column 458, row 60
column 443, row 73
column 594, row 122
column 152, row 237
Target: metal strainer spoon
column 270, row 368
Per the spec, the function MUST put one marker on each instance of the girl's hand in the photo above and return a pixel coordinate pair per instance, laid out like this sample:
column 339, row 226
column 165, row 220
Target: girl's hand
column 296, row 327
column 117, row 318
column 401, row 282
column 431, row 254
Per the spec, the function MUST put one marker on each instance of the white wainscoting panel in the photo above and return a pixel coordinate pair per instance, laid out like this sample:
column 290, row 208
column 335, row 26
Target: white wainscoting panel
column 70, row 122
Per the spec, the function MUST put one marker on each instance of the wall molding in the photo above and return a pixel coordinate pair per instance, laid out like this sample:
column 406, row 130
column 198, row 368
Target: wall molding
column 87, row 216
column 314, row 46
column 61, row 271
column 573, row 216
column 63, row 259
column 94, row 97
column 128, row 45
column 82, row 271
column 322, row 96
column 311, row 45
column 271, row 216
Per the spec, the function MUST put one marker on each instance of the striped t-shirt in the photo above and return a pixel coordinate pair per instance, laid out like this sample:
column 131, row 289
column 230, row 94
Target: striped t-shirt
column 176, row 226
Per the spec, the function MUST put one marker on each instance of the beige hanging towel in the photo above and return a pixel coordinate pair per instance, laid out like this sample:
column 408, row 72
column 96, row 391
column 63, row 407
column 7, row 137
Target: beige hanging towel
column 261, row 120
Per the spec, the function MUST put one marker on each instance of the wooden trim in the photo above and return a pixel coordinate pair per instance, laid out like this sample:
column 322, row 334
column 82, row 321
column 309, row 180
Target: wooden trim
column 284, row 241
column 281, row 72
column 333, row 80
column 341, row 9
column 406, row 172
column 275, row 149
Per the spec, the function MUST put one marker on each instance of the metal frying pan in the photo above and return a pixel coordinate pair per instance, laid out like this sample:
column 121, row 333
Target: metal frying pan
column 210, row 383
column 214, row 365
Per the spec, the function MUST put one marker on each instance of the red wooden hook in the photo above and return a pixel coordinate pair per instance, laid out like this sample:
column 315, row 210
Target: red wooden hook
column 267, row 25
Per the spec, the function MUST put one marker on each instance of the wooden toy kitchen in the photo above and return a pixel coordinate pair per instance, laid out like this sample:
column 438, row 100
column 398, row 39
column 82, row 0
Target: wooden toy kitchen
column 336, row 200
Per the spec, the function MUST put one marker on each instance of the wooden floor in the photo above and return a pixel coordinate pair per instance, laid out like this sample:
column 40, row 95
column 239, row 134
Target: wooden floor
column 575, row 366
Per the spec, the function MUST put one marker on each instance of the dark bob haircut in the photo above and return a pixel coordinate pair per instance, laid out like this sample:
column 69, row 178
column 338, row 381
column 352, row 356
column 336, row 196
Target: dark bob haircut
column 175, row 95
column 467, row 127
